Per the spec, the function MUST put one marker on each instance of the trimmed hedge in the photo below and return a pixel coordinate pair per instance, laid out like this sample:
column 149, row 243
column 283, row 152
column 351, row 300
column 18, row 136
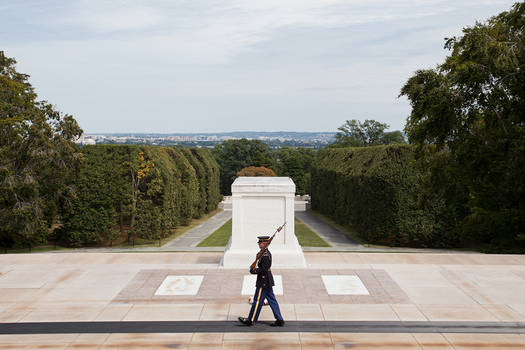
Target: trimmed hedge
column 377, row 191
column 212, row 176
column 177, row 187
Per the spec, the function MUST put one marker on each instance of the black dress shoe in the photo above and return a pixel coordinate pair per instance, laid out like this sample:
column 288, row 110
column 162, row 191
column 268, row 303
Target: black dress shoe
column 277, row 323
column 245, row 321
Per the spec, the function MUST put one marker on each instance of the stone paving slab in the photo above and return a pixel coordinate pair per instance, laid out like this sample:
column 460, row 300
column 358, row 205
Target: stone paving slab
column 300, row 286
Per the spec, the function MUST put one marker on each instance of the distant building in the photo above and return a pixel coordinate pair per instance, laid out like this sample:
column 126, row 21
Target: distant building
column 85, row 140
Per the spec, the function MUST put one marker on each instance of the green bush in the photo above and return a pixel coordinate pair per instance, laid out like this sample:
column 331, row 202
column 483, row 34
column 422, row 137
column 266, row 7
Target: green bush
column 200, row 172
column 172, row 187
column 213, row 196
column 377, row 191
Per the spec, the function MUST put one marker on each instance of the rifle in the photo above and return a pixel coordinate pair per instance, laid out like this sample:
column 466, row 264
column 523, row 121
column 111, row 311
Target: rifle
column 261, row 252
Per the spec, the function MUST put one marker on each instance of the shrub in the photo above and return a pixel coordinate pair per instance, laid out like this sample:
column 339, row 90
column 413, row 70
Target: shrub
column 168, row 192
column 377, row 191
column 256, row 171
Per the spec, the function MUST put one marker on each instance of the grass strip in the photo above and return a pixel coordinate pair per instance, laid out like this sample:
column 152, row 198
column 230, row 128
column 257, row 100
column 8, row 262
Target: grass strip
column 219, row 238
column 306, row 237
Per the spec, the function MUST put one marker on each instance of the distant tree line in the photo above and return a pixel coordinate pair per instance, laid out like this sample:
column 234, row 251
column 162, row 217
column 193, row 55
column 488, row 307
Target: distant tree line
column 235, row 155
column 354, row 133
column 295, row 162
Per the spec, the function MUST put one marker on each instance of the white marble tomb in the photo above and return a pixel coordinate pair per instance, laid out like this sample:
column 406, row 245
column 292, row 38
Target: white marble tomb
column 259, row 206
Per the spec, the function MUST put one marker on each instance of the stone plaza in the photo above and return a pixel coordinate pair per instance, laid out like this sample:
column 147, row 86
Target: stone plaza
column 185, row 300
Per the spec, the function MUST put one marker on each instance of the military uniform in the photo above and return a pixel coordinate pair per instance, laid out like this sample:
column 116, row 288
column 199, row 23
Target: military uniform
column 264, row 274
column 263, row 289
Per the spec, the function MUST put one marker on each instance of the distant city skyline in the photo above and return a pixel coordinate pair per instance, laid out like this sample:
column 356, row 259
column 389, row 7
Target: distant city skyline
column 200, row 67
column 273, row 139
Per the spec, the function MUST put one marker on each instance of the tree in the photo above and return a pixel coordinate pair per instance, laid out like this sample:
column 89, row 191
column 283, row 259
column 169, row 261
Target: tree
column 139, row 169
column 296, row 163
column 391, row 137
column 353, row 133
column 470, row 109
column 38, row 159
column 233, row 155
column 256, row 171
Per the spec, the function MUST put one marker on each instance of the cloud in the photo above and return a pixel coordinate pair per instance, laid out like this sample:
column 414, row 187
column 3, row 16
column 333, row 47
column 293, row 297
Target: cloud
column 190, row 65
column 111, row 16
column 228, row 28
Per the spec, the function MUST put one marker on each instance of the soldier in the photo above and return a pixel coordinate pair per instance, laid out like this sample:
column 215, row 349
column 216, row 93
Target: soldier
column 263, row 288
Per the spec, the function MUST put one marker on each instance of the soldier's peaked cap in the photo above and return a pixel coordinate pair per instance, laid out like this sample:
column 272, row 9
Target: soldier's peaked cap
column 263, row 239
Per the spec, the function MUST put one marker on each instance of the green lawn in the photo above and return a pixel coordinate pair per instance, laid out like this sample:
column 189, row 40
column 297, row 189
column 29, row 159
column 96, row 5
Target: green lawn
column 220, row 237
column 306, row 237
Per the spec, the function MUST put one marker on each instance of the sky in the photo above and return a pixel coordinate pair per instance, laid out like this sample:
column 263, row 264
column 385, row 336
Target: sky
column 165, row 66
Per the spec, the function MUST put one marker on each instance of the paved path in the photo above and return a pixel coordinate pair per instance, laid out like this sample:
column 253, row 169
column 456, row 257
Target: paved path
column 142, row 327
column 330, row 234
column 194, row 236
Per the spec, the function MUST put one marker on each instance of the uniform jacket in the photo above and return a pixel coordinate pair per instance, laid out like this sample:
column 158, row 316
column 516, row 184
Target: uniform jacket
column 263, row 271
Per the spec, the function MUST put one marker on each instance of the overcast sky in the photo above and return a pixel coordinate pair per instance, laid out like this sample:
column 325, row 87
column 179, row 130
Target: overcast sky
column 211, row 66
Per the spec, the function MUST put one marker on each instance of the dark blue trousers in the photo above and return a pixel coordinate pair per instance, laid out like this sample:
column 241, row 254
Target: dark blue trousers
column 258, row 301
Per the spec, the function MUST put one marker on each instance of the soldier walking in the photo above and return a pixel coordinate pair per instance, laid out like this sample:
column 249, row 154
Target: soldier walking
column 263, row 286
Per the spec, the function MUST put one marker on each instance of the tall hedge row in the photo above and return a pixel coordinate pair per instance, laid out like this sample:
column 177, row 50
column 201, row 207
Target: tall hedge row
column 172, row 187
column 377, row 191
column 211, row 177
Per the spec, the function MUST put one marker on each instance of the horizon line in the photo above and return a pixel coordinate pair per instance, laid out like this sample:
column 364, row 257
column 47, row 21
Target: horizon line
column 219, row 132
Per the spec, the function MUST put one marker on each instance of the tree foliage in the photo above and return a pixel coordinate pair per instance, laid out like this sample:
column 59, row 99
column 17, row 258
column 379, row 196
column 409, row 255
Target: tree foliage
column 354, row 133
column 256, row 171
column 141, row 191
column 38, row 159
column 234, row 155
column 471, row 109
column 212, row 179
column 295, row 163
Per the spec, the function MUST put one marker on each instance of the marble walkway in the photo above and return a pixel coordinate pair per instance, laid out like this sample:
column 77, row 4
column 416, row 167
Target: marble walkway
column 421, row 290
